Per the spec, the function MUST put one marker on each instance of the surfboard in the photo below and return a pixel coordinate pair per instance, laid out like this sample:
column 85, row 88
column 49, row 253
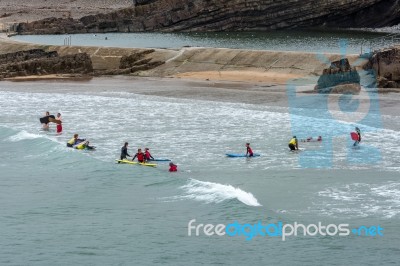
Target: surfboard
column 241, row 154
column 53, row 120
column 160, row 160
column 354, row 136
column 131, row 162
column 45, row 119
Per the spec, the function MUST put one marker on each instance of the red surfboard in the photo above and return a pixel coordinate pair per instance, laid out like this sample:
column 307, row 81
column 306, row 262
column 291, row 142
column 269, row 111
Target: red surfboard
column 354, row 136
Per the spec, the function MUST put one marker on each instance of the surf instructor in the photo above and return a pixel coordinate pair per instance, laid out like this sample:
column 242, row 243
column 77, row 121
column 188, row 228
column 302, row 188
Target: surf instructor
column 124, row 151
column 293, row 144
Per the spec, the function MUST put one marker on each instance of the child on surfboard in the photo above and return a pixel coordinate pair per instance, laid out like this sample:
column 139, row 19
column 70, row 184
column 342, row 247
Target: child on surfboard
column 249, row 151
column 140, row 156
column 147, row 155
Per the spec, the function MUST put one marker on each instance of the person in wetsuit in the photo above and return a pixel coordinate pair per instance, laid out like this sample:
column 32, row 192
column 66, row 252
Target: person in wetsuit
column 359, row 137
column 173, row 167
column 140, row 156
column 147, row 155
column 74, row 141
column 293, row 144
column 124, row 151
column 249, row 151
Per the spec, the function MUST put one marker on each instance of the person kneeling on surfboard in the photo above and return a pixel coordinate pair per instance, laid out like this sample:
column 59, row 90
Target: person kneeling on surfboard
column 148, row 155
column 140, row 156
column 74, row 141
column 173, row 167
column 293, row 144
column 359, row 137
column 249, row 151
column 124, row 151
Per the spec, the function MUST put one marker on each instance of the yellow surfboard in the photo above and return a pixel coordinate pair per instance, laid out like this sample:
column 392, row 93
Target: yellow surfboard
column 131, row 162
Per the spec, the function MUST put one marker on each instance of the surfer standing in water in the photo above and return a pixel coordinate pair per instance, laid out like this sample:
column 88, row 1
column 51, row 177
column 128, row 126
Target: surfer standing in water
column 46, row 125
column 249, row 151
column 124, row 152
column 59, row 126
column 293, row 144
column 359, row 137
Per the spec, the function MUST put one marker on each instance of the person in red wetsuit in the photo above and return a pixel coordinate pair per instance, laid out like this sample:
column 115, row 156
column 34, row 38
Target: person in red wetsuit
column 249, row 152
column 59, row 126
column 173, row 167
column 147, row 155
column 140, row 156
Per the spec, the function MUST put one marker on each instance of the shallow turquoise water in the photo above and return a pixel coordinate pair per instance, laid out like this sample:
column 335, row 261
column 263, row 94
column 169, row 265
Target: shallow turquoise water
column 66, row 207
column 310, row 41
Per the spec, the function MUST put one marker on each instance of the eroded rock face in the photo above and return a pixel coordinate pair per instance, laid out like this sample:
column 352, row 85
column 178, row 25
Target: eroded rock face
column 386, row 65
column 340, row 77
column 39, row 62
column 221, row 15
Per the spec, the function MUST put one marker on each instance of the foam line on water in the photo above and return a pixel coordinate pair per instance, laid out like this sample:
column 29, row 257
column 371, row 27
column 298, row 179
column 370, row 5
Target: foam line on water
column 23, row 135
column 210, row 192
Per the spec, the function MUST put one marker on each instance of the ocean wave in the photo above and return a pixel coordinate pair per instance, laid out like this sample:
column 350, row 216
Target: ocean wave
column 23, row 135
column 210, row 192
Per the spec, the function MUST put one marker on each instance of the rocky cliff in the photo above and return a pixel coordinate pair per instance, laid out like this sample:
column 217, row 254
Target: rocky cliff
column 340, row 77
column 386, row 66
column 222, row 15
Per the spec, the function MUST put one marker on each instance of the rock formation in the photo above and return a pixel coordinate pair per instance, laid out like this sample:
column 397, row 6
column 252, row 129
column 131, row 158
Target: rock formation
column 39, row 62
column 221, row 15
column 386, row 66
column 340, row 77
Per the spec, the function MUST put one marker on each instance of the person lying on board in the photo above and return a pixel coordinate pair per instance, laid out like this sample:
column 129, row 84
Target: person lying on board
column 249, row 151
column 140, row 156
column 310, row 139
column 147, row 155
column 124, row 151
column 75, row 141
column 173, row 167
column 293, row 144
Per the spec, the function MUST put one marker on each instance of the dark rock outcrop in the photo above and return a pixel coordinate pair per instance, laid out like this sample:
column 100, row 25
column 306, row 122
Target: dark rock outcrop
column 132, row 63
column 340, row 77
column 386, row 66
column 221, row 15
column 39, row 62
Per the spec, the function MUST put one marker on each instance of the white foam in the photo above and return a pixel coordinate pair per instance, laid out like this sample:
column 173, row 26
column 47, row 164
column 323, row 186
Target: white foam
column 22, row 135
column 361, row 200
column 210, row 192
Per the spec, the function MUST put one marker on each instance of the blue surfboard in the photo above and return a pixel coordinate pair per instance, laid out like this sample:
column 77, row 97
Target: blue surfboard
column 161, row 160
column 241, row 154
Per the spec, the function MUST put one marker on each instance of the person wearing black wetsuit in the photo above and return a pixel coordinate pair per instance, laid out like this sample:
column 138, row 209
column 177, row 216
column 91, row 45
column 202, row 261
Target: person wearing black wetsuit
column 124, row 151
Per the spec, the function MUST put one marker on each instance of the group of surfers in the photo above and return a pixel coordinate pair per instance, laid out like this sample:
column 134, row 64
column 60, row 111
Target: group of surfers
column 142, row 157
column 46, row 121
column 294, row 144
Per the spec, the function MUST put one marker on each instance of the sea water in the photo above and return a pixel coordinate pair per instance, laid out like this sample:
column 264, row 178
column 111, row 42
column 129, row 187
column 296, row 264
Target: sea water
column 61, row 206
column 284, row 40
